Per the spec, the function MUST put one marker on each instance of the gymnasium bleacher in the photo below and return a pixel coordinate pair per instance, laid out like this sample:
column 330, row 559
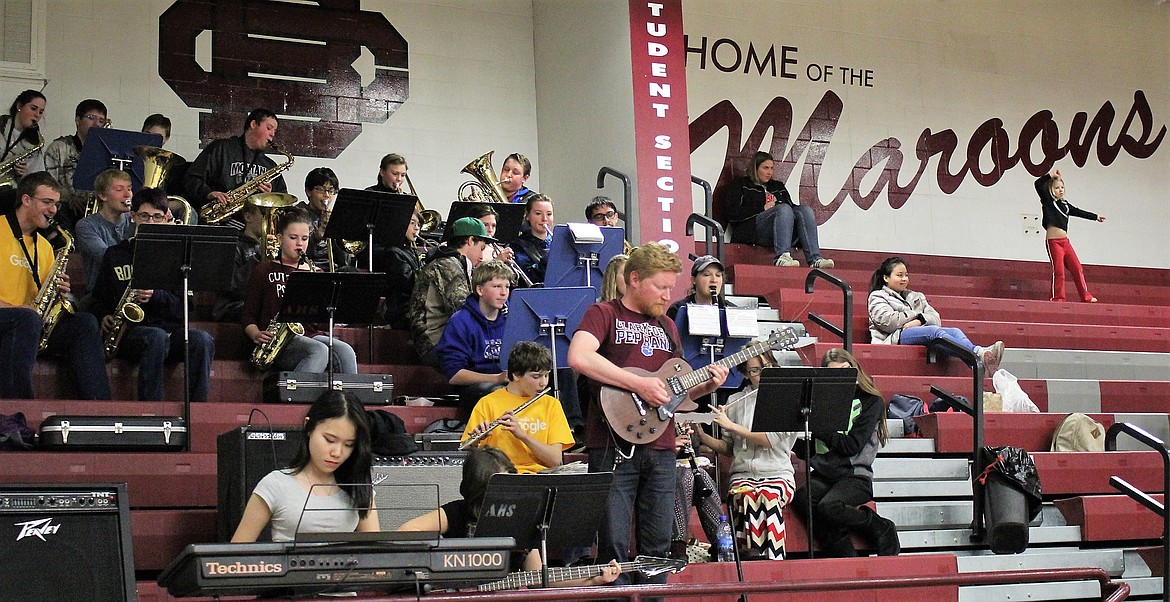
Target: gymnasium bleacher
column 1108, row 359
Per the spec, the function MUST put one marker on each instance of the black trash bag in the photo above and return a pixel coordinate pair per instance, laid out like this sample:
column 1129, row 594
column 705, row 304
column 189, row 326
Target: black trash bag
column 1018, row 469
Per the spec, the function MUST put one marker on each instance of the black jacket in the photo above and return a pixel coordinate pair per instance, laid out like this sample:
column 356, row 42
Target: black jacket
column 744, row 199
column 163, row 310
column 221, row 167
column 1056, row 211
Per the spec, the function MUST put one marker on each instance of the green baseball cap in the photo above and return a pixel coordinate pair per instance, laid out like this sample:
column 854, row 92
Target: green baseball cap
column 470, row 226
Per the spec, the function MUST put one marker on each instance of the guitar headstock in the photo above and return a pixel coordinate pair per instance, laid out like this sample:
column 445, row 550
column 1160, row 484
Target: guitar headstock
column 652, row 565
column 780, row 340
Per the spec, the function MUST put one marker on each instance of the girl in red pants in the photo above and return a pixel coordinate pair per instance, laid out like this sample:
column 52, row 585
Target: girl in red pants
column 1050, row 187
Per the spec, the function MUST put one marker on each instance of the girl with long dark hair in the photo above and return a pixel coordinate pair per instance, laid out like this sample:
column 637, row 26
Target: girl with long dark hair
column 327, row 487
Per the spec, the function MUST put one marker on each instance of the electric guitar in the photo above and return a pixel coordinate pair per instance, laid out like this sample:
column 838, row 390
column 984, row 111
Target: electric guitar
column 637, row 422
column 647, row 565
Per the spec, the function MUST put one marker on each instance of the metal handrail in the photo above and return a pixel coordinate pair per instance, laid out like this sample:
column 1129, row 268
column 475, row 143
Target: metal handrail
column 627, row 192
column 978, row 456
column 1140, row 496
column 1111, row 591
column 708, row 195
column 845, row 331
column 714, row 231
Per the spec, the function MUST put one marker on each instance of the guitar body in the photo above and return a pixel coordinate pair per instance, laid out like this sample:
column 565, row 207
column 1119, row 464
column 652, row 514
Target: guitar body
column 635, row 420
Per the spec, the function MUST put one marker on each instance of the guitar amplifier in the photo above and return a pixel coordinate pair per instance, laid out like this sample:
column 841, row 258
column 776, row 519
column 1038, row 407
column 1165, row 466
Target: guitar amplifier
column 66, row 542
column 306, row 387
column 415, row 485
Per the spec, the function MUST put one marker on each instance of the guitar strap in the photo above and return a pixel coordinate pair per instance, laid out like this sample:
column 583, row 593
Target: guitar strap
column 675, row 345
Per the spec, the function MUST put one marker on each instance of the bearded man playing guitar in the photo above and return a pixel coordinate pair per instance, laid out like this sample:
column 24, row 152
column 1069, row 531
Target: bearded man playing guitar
column 613, row 338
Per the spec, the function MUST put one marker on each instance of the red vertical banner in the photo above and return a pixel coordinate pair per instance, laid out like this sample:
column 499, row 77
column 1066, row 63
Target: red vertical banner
column 658, row 63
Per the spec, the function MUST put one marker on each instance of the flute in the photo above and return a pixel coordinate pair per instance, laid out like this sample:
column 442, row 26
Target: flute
column 473, row 440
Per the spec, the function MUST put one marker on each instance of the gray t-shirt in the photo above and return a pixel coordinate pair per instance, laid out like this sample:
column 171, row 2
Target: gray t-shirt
column 94, row 235
column 286, row 498
column 752, row 461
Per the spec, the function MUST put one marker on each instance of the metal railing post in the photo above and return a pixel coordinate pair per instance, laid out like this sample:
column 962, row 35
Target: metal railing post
column 975, row 410
column 1139, row 496
column 714, row 231
column 846, row 329
column 627, row 192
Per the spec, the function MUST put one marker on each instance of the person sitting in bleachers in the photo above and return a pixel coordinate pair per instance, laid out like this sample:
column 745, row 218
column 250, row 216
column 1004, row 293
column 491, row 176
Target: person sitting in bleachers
column 159, row 335
column 302, row 353
column 762, row 478
column 401, row 262
column 109, row 226
column 761, row 212
column 900, row 316
column 533, row 438
column 249, row 253
column 842, row 472
column 442, row 286
column 706, row 286
column 531, row 247
column 469, row 350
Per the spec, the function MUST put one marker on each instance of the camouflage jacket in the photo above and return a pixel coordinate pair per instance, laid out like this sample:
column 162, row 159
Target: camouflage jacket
column 440, row 289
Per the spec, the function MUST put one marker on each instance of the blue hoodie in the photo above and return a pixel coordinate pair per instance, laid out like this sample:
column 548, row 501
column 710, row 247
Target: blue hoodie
column 471, row 341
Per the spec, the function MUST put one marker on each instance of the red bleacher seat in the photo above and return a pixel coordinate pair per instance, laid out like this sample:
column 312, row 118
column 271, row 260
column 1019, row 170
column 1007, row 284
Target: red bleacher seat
column 1111, row 517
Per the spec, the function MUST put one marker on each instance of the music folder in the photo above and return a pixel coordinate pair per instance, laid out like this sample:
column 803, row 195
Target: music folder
column 107, row 148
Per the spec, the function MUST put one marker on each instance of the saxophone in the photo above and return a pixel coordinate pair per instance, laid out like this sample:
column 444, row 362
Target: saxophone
column 281, row 332
column 216, row 212
column 8, row 168
column 49, row 303
column 127, row 311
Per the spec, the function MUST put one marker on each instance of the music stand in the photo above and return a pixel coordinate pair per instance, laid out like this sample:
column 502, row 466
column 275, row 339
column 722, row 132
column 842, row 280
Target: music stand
column 158, row 248
column 573, row 263
column 804, row 399
column 509, row 217
column 357, row 214
column 548, row 316
column 703, row 350
column 539, row 509
column 106, row 148
column 314, row 297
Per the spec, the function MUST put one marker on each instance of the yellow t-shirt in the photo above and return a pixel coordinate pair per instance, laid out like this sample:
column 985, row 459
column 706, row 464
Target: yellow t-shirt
column 544, row 420
column 17, row 286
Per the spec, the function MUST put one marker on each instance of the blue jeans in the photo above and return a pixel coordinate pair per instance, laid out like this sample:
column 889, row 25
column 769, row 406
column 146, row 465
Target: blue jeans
column 20, row 331
column 777, row 225
column 643, row 484
column 304, row 354
column 152, row 346
column 77, row 340
column 921, row 335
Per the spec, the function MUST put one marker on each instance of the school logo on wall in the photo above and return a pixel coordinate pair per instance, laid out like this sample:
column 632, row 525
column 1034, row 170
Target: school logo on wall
column 324, row 68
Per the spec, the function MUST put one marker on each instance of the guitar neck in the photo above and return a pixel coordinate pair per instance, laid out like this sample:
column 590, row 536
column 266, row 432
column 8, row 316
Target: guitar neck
column 555, row 575
column 700, row 376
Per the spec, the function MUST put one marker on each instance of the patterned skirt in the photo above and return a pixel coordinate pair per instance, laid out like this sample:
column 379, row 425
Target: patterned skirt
column 759, row 510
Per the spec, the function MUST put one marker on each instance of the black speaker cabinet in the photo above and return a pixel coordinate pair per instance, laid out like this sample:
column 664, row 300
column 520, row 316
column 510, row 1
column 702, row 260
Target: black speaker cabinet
column 243, row 456
column 66, row 542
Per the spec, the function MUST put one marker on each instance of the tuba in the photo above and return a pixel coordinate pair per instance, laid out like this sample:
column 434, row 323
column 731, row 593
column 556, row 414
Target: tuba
column 156, row 165
column 282, row 332
column 127, row 311
column 8, row 168
column 486, row 187
column 216, row 212
column 272, row 204
column 49, row 303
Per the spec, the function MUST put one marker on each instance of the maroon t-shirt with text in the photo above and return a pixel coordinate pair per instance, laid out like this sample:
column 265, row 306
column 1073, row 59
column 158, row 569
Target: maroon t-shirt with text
column 629, row 339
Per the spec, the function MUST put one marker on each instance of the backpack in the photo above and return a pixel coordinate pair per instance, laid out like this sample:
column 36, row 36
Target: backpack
column 1078, row 432
column 15, row 433
column 907, row 407
column 388, row 436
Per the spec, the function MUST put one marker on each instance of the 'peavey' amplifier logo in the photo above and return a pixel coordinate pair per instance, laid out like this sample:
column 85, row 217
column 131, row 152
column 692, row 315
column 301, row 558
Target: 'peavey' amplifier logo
column 37, row 528
column 329, row 65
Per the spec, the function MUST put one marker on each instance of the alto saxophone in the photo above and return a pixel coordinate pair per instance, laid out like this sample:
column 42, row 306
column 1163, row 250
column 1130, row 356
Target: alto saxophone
column 280, row 332
column 49, row 302
column 127, row 311
column 214, row 213
column 8, row 168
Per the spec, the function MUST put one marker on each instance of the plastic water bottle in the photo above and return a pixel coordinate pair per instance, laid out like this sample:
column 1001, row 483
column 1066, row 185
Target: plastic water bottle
column 724, row 541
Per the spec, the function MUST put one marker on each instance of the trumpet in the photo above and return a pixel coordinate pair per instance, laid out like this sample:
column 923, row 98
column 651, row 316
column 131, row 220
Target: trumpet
column 128, row 310
column 520, row 275
column 475, row 439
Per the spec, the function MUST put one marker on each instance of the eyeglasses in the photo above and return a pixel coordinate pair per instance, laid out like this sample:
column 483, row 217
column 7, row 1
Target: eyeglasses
column 323, row 190
column 152, row 217
column 95, row 117
column 753, row 371
column 603, row 216
column 47, row 201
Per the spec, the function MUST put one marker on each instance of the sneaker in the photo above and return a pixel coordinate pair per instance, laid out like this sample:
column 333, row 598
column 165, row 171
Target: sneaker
column 823, row 264
column 992, row 356
column 786, row 261
column 577, row 448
